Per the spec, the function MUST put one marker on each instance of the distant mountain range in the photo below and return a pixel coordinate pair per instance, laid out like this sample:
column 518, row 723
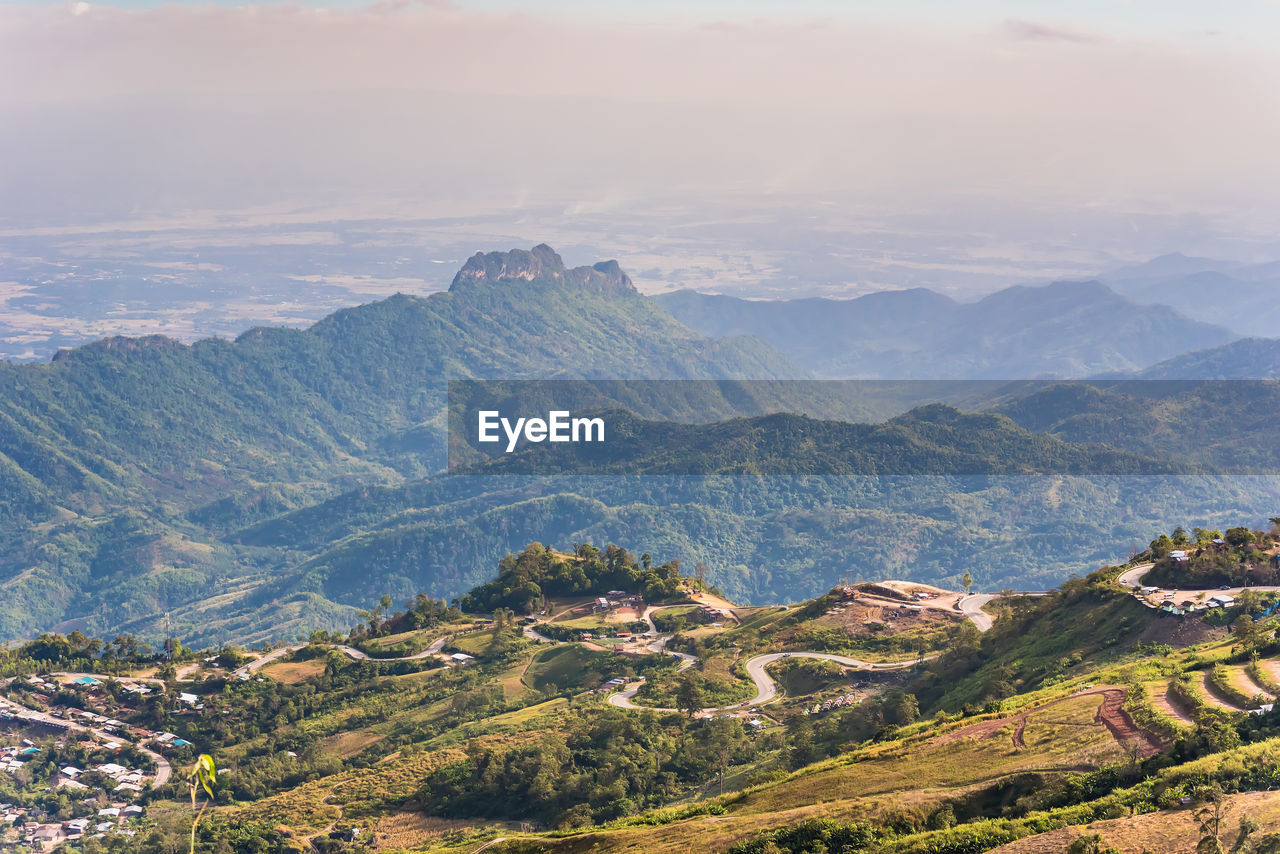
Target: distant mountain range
column 1236, row 296
column 1066, row 329
column 261, row 487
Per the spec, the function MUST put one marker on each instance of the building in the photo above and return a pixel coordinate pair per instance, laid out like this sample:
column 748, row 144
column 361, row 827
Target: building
column 47, row 835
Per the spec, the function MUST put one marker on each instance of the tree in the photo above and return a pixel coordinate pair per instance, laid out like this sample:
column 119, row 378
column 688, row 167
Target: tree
column 172, row 648
column 502, row 618
column 1269, row 844
column 722, row 740
column 1252, row 601
column 1205, row 536
column 1247, row 828
column 1091, row 844
column 1209, row 820
column 1216, row 731
column 1238, row 536
column 689, row 696
column 899, row 707
column 1249, row 635
column 967, row 581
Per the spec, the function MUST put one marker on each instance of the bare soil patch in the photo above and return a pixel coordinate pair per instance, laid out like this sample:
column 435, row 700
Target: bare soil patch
column 1111, row 714
column 1170, row 707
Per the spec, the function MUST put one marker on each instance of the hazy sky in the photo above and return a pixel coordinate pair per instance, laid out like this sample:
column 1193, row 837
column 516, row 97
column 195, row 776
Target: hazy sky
column 138, row 107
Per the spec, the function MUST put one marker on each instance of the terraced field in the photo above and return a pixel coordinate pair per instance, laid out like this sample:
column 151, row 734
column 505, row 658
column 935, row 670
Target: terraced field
column 1166, row 832
column 1071, row 733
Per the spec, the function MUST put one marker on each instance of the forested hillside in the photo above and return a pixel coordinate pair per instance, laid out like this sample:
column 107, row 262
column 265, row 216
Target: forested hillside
column 118, row 459
column 1228, row 426
column 263, row 487
column 935, row 439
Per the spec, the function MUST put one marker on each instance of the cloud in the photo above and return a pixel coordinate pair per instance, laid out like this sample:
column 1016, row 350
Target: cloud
column 185, row 105
column 1025, row 30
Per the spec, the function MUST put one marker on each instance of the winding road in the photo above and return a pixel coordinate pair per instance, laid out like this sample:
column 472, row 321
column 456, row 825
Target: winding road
column 1133, row 577
column 766, row 687
column 971, row 606
column 351, row 652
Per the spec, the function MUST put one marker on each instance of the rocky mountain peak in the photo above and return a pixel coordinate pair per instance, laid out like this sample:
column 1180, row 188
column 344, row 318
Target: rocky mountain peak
column 541, row 264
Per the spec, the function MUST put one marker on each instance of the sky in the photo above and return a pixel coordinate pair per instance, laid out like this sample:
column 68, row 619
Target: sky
column 137, row 107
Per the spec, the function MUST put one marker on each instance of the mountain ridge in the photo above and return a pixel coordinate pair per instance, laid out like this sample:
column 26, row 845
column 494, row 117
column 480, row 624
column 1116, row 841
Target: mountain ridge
column 1063, row 330
column 123, row 442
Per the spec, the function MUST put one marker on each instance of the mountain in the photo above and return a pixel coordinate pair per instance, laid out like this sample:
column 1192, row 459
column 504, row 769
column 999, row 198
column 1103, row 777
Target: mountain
column 1066, row 329
column 1240, row 297
column 115, row 456
column 1229, row 427
column 763, row 539
column 1248, row 358
column 928, row 495
column 930, row 440
column 1171, row 264
column 259, row 488
column 283, row 405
